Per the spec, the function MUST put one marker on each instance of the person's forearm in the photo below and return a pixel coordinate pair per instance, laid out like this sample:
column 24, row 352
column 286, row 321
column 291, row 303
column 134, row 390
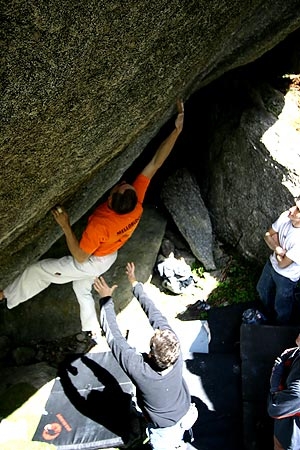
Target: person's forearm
column 165, row 148
column 271, row 240
column 284, row 403
column 108, row 323
column 73, row 245
column 122, row 351
column 273, row 243
column 283, row 261
column 156, row 318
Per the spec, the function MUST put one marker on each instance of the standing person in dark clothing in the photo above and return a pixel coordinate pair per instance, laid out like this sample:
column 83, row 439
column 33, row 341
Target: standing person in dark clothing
column 162, row 393
column 284, row 399
column 278, row 281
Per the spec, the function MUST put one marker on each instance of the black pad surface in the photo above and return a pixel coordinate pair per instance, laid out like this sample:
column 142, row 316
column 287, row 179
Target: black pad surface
column 89, row 405
column 219, row 425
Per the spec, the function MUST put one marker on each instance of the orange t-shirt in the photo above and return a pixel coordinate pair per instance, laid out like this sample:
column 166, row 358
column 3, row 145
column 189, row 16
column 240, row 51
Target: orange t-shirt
column 106, row 230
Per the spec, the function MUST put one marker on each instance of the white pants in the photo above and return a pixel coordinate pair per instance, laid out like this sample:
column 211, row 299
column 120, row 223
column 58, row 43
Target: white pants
column 172, row 437
column 41, row 274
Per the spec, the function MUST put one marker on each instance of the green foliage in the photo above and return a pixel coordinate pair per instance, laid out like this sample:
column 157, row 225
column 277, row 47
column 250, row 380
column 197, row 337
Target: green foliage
column 203, row 315
column 237, row 283
column 198, row 269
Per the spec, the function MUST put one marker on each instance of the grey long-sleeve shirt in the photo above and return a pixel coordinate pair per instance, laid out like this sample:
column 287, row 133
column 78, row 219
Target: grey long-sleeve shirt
column 162, row 396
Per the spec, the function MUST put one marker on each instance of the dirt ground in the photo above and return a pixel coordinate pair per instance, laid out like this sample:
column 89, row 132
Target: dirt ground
column 132, row 320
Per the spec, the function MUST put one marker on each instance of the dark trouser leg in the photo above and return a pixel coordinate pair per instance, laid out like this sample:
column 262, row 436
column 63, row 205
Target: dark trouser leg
column 284, row 299
column 266, row 289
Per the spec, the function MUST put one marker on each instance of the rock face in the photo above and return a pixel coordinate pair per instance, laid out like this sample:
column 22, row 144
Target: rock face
column 86, row 85
column 182, row 197
column 253, row 171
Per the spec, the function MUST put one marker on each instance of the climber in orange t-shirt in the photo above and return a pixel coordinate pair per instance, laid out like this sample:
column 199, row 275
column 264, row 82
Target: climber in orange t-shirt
column 109, row 227
column 107, row 231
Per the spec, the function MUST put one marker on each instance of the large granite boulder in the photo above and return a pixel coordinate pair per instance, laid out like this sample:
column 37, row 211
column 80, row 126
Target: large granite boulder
column 86, row 85
column 182, row 197
column 253, row 169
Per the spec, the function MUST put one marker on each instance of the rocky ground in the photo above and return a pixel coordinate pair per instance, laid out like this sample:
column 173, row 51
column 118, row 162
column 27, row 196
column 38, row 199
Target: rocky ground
column 55, row 351
column 174, row 306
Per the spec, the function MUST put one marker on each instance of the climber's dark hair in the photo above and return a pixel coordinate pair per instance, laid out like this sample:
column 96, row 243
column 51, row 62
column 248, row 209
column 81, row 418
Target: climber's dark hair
column 125, row 202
